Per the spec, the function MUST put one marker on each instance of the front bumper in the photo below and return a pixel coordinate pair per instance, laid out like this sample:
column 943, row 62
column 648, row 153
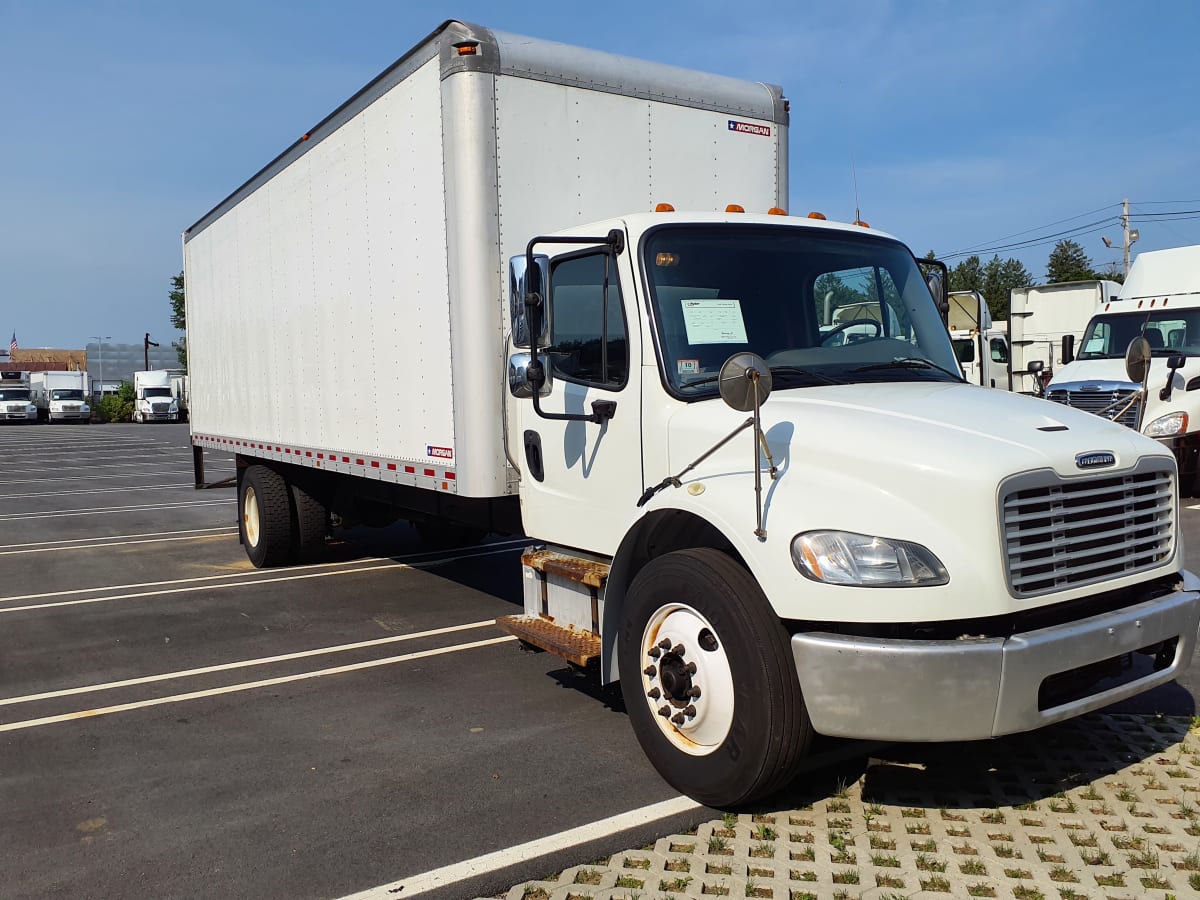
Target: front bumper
column 70, row 416
column 908, row 690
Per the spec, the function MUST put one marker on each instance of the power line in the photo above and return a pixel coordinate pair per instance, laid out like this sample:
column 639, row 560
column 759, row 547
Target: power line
column 1173, row 212
column 1160, row 202
column 1077, row 231
column 967, row 250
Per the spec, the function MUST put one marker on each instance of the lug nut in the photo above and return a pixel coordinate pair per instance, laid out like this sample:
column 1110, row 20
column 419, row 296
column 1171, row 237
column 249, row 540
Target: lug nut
column 664, row 711
column 690, row 668
column 654, row 693
column 654, row 653
column 665, row 644
column 678, row 650
column 649, row 671
column 690, row 712
column 694, row 693
column 677, row 719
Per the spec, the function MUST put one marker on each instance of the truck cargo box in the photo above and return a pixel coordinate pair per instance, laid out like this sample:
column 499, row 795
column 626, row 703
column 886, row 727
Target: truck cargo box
column 346, row 305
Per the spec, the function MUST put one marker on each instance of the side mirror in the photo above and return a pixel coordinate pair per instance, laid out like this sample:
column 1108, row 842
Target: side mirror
column 521, row 282
column 1068, row 349
column 939, row 290
column 1137, row 359
column 1175, row 362
column 520, row 382
column 1035, row 366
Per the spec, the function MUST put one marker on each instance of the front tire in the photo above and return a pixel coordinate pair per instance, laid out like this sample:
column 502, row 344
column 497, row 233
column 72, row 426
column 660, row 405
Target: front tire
column 709, row 681
column 264, row 517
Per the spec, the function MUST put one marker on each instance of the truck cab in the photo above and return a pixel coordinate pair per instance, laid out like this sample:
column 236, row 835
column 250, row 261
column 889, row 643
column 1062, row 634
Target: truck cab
column 16, row 401
column 61, row 396
column 980, row 344
column 1159, row 308
column 152, row 397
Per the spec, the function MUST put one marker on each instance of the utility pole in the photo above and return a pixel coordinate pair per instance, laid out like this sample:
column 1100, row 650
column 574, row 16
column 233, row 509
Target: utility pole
column 147, row 343
column 1129, row 235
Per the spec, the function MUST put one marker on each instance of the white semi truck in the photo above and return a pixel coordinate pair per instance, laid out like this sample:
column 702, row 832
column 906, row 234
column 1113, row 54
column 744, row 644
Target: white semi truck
column 1044, row 321
column 61, row 396
column 16, row 401
column 1156, row 318
column 449, row 302
column 152, row 397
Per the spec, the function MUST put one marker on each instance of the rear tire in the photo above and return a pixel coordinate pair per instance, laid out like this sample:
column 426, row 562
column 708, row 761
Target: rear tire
column 310, row 526
column 264, row 517
column 735, row 727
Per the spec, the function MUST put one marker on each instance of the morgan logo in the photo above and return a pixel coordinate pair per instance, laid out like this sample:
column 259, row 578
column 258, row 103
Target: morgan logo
column 439, row 452
column 1097, row 459
column 749, row 128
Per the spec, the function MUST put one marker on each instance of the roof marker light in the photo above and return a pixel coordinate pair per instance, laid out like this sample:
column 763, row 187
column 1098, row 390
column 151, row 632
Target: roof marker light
column 664, row 207
column 816, row 215
column 468, row 48
column 776, row 211
column 734, row 208
column 861, row 224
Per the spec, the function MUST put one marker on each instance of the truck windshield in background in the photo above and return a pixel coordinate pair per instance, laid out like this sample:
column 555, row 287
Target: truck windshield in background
column 1168, row 331
column 66, row 395
column 819, row 307
column 14, row 394
column 157, row 392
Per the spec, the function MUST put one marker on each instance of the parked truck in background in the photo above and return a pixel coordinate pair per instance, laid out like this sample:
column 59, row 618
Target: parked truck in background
column 980, row 344
column 181, row 393
column 1158, row 306
column 1040, row 317
column 152, row 399
column 61, row 396
column 878, row 550
column 16, row 401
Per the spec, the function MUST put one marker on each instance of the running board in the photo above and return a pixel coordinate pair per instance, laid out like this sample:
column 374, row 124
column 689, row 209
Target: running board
column 575, row 646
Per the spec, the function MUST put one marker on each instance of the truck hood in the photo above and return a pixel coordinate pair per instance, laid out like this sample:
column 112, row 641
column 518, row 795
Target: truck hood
column 921, row 462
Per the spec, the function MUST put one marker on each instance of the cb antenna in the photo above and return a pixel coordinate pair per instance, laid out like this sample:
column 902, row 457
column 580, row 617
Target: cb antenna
column 853, row 176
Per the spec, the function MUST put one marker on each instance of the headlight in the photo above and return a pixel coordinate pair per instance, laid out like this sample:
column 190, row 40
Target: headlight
column 85, row 408
column 842, row 557
column 1167, row 426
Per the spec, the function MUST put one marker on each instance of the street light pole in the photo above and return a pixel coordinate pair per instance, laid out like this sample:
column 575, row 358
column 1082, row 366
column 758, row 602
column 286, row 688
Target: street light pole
column 100, row 340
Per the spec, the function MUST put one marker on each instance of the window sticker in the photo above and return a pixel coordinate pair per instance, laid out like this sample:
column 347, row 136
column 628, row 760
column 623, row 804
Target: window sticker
column 714, row 322
column 687, row 366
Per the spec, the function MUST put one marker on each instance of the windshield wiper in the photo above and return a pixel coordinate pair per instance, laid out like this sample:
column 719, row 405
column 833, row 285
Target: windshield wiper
column 909, row 362
column 775, row 370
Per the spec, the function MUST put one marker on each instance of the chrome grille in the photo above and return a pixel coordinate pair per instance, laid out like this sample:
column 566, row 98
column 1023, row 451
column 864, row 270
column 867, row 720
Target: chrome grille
column 1102, row 403
column 160, row 408
column 1061, row 534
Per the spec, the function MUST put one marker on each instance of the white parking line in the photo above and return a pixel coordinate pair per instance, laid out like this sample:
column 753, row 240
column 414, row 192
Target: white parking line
column 106, row 538
column 244, row 664
column 90, row 466
column 254, row 581
column 108, row 510
column 251, row 685
column 224, row 532
column 439, row 879
column 97, row 477
column 113, row 490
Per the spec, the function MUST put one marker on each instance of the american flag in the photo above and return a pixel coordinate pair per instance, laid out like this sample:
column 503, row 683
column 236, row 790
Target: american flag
column 13, row 345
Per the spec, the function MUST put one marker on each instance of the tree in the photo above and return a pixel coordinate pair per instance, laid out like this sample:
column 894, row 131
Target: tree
column 967, row 275
column 1069, row 262
column 999, row 278
column 1113, row 272
column 179, row 316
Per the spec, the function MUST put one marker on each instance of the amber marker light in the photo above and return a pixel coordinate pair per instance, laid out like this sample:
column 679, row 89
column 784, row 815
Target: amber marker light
column 861, row 224
column 734, row 208
column 817, row 215
column 664, row 207
column 467, row 49
column 776, row 211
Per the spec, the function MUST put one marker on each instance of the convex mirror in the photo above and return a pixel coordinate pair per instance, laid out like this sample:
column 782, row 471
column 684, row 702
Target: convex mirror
column 1137, row 359
column 520, row 283
column 742, row 375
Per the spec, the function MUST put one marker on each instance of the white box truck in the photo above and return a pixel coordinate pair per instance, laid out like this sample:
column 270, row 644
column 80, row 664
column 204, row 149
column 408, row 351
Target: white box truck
column 1159, row 308
column 449, row 302
column 181, row 392
column 16, row 401
column 152, row 397
column 61, row 396
column 1040, row 317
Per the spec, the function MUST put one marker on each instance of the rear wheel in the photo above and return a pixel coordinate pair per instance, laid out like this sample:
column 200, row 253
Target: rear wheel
column 310, row 526
column 265, row 516
column 709, row 681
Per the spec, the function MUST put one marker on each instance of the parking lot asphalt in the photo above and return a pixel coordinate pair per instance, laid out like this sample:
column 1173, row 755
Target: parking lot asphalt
column 175, row 723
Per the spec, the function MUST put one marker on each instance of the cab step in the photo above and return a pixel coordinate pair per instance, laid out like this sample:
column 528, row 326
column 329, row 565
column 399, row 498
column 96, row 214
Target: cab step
column 573, row 645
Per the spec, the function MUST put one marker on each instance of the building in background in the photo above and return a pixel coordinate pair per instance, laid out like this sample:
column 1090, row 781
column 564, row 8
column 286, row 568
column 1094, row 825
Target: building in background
column 115, row 363
column 42, row 359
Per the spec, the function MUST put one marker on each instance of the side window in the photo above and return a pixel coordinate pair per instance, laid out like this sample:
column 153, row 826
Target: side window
column 1098, row 342
column 858, row 304
column 964, row 349
column 999, row 350
column 586, row 345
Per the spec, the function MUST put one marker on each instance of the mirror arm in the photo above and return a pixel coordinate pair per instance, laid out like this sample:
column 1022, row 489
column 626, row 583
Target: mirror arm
column 602, row 410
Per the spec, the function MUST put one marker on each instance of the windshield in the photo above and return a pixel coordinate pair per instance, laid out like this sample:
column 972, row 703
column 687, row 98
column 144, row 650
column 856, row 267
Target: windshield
column 158, row 392
column 14, row 394
column 66, row 395
column 1168, row 331
column 820, row 307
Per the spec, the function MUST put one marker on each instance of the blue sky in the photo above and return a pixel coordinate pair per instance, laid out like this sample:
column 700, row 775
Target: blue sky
column 125, row 121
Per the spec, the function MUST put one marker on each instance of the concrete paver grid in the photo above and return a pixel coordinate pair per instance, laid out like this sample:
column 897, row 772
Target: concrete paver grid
column 1101, row 807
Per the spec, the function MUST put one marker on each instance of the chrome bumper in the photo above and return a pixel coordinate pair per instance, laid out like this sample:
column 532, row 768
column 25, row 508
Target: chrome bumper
column 906, row 690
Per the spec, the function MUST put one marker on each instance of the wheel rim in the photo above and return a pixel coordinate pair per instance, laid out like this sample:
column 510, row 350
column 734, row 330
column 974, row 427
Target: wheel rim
column 686, row 679
column 250, row 522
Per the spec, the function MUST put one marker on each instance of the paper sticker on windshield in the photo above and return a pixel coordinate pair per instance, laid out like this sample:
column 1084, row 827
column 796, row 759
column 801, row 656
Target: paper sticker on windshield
column 714, row 322
column 687, row 366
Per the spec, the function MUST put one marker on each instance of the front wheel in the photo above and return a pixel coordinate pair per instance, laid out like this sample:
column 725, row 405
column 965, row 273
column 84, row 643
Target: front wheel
column 264, row 516
column 709, row 681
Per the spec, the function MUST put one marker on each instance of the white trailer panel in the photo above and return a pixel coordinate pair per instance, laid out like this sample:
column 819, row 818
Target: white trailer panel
column 1040, row 316
column 349, row 301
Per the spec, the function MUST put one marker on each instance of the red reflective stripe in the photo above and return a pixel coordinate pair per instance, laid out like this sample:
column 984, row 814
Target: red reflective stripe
column 320, row 456
column 308, row 453
column 374, row 464
column 429, row 472
column 358, row 462
column 449, row 476
column 410, row 470
column 345, row 459
column 391, row 467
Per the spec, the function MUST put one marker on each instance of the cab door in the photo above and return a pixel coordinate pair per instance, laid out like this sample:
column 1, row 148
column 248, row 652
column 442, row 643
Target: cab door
column 581, row 479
